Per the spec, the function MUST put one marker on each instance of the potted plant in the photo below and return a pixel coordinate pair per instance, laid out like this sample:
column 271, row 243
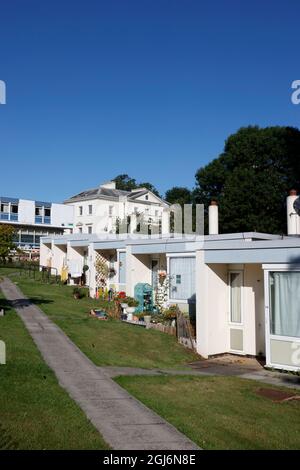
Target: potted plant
column 147, row 318
column 112, row 272
column 122, row 299
column 131, row 306
column 162, row 274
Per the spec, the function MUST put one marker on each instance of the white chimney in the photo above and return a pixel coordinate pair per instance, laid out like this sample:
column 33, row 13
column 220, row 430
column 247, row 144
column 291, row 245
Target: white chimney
column 213, row 218
column 293, row 219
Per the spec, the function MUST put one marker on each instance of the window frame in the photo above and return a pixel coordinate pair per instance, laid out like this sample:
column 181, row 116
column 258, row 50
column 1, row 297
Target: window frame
column 233, row 323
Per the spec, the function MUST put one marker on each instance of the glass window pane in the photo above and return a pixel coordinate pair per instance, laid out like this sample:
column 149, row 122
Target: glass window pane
column 122, row 267
column 285, row 303
column 235, row 297
column 5, row 208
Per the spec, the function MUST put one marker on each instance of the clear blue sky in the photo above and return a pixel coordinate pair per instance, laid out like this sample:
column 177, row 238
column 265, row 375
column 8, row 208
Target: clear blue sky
column 151, row 88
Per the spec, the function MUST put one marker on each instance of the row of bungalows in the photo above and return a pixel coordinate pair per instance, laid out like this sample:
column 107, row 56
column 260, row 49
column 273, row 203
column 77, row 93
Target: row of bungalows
column 242, row 288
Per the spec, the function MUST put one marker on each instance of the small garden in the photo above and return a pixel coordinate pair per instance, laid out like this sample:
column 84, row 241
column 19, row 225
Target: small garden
column 108, row 343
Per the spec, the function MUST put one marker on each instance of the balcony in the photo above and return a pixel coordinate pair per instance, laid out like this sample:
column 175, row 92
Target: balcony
column 9, row 216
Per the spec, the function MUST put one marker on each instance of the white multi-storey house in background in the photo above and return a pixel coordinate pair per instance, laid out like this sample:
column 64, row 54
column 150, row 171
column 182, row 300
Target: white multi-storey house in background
column 35, row 219
column 100, row 209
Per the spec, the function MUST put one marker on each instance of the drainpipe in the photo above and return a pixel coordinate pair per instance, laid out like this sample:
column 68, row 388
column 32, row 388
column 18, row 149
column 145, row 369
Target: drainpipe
column 213, row 218
column 292, row 216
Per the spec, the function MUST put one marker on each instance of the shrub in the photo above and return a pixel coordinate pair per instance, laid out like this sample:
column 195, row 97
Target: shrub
column 131, row 302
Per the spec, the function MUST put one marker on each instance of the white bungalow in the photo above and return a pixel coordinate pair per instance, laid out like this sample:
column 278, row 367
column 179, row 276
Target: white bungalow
column 244, row 288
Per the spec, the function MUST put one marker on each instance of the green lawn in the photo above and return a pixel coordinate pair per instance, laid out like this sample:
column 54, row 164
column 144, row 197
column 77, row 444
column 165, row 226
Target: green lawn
column 35, row 412
column 220, row 412
column 110, row 343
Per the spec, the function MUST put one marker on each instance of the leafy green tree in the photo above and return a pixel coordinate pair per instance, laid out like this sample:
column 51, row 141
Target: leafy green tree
column 125, row 183
column 179, row 195
column 6, row 240
column 251, row 179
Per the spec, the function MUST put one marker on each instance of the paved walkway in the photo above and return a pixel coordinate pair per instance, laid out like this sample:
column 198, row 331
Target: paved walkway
column 123, row 421
column 222, row 366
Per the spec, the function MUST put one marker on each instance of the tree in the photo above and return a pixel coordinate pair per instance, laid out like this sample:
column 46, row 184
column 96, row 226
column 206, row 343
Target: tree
column 6, row 240
column 251, row 179
column 179, row 195
column 126, row 183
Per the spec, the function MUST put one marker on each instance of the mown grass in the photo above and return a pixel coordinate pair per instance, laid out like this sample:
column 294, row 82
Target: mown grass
column 220, row 412
column 35, row 412
column 106, row 343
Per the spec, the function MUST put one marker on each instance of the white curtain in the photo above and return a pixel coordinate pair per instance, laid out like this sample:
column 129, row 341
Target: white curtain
column 235, row 297
column 182, row 284
column 285, row 304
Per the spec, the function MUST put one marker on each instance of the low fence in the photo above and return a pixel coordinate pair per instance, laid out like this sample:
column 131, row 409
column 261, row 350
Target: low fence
column 170, row 330
column 34, row 271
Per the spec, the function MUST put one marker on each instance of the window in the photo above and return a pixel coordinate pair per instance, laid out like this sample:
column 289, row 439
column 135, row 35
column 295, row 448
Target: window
column 182, row 273
column 39, row 215
column 47, row 215
column 90, row 229
column 147, row 197
column 110, row 210
column 5, row 208
column 90, row 209
column 80, row 210
column 79, row 229
column 285, row 303
column 235, row 285
column 122, row 267
column 14, row 208
column 27, row 239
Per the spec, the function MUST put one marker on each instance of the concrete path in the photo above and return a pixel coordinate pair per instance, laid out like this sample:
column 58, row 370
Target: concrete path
column 215, row 369
column 123, row 421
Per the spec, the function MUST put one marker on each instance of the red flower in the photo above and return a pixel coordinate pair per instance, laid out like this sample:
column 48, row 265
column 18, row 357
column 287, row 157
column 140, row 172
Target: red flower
column 122, row 295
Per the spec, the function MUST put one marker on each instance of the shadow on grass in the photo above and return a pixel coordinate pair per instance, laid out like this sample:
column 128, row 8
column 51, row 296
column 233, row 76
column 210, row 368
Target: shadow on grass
column 22, row 303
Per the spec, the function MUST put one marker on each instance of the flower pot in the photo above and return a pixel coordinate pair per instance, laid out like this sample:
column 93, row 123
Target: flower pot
column 123, row 305
column 129, row 316
column 147, row 319
column 130, row 309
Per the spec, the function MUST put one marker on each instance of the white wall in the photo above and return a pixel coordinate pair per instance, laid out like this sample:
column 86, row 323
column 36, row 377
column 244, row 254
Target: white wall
column 26, row 212
column 213, row 316
column 62, row 214
column 211, row 307
column 59, row 257
column 254, row 322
